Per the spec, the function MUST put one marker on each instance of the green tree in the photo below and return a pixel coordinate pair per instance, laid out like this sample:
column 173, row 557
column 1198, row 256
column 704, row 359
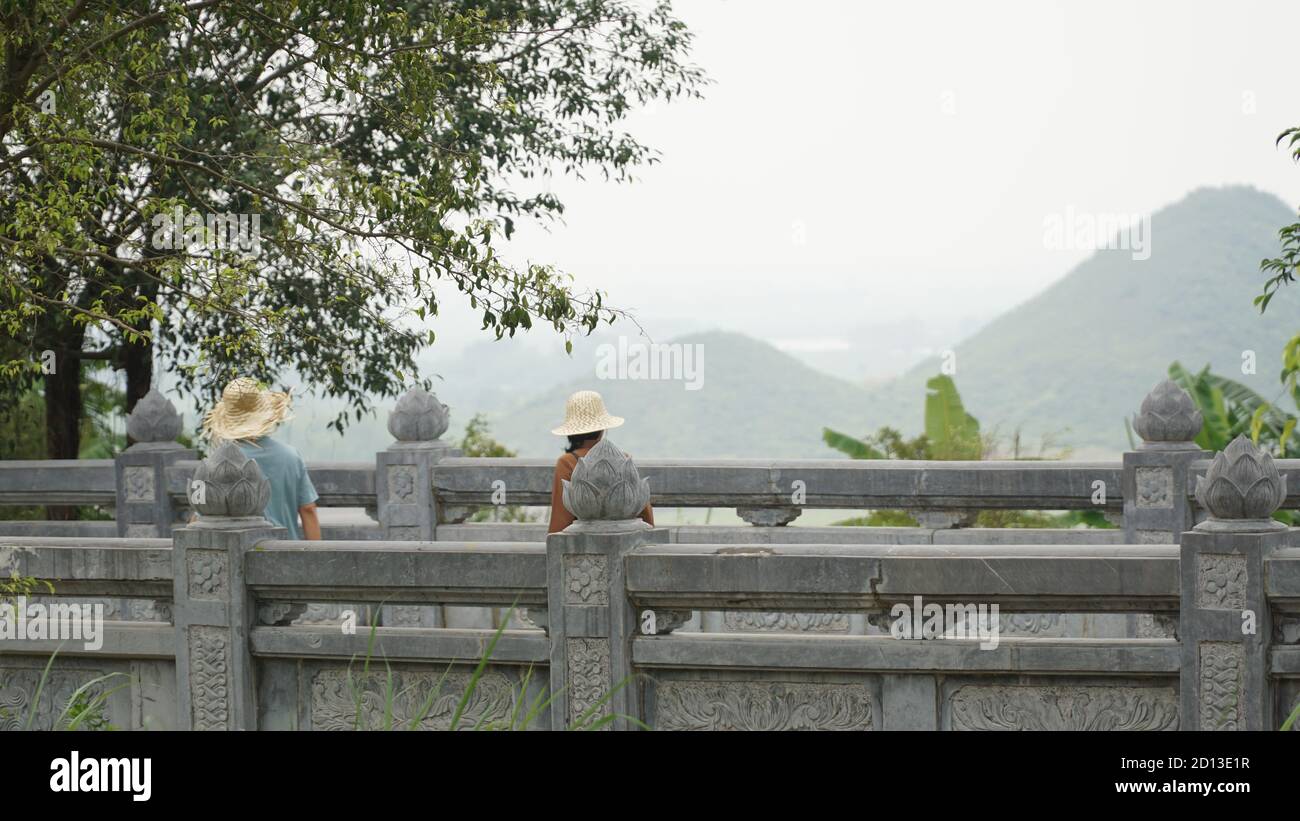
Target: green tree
column 951, row 434
column 478, row 441
column 382, row 149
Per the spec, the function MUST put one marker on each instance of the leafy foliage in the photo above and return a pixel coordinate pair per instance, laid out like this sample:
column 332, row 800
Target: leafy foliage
column 951, row 434
column 1284, row 267
column 1230, row 409
column 478, row 441
column 384, row 151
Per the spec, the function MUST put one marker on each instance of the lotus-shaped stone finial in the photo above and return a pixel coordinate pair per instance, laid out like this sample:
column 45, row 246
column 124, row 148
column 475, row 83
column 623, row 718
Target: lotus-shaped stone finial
column 153, row 419
column 606, row 486
column 229, row 483
column 1242, row 483
column 418, row 417
column 1168, row 414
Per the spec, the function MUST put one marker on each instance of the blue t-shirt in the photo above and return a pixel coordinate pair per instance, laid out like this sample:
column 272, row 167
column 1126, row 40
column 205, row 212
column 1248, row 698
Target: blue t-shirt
column 291, row 487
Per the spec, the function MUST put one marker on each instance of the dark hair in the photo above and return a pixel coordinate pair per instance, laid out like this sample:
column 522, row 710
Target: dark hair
column 578, row 440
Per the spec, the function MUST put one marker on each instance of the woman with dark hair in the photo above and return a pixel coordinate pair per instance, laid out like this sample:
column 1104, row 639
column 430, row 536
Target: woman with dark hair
column 585, row 422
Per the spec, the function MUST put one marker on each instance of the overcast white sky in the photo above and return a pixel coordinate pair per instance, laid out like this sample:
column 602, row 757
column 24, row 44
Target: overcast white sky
column 857, row 161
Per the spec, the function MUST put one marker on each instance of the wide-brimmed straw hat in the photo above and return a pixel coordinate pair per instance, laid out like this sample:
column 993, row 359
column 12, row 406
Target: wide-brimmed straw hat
column 246, row 411
column 585, row 413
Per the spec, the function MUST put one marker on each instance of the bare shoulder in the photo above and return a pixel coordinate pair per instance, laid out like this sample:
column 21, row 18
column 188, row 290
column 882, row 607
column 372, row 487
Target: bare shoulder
column 566, row 463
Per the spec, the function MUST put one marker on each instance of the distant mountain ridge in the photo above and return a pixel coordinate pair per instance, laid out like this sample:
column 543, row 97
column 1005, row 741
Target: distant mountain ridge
column 1078, row 358
column 753, row 401
column 1071, row 362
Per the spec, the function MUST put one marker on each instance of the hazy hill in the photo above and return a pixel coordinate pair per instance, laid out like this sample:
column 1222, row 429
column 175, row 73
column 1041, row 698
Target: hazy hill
column 755, row 401
column 1080, row 356
column 1073, row 361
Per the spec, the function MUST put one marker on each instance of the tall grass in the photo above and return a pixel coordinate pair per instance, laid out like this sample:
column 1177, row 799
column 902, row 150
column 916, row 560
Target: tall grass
column 519, row 718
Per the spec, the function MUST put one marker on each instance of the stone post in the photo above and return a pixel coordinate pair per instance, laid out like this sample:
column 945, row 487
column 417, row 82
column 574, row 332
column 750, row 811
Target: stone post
column 404, row 473
column 213, row 610
column 591, row 622
column 1157, row 509
column 1225, row 623
column 407, row 508
column 144, row 509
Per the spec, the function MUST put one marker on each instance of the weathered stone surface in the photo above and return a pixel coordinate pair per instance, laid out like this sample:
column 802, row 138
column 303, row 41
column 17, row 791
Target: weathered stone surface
column 1168, row 414
column 153, row 419
column 605, row 486
column 418, row 417
column 421, row 700
column 1242, row 483
column 1004, row 707
column 232, row 484
column 769, row 516
column 762, row 705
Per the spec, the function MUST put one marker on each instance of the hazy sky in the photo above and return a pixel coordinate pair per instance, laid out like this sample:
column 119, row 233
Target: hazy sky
column 854, row 162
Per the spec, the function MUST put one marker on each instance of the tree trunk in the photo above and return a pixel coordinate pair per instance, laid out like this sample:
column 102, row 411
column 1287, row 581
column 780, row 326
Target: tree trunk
column 63, row 412
column 138, row 358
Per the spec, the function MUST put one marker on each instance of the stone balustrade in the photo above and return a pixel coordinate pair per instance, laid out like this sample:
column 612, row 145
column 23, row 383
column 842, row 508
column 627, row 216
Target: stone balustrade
column 223, row 624
column 610, row 601
column 421, row 488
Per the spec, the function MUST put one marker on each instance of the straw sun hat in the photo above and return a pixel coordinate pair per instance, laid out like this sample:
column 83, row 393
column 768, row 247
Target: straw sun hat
column 245, row 411
column 585, row 413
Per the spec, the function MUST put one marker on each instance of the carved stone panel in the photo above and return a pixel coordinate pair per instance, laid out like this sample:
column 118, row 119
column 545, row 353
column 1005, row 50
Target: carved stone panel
column 586, row 579
column 139, row 483
column 209, row 574
column 1156, row 626
column 750, row 621
column 19, row 695
column 401, row 484
column 762, row 705
column 1221, row 581
column 1062, row 707
column 209, row 677
column 1155, row 537
column 1155, row 487
column 423, row 700
column 589, row 677
column 1222, row 674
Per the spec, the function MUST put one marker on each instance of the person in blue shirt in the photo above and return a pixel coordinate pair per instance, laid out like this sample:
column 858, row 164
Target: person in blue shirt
column 247, row 415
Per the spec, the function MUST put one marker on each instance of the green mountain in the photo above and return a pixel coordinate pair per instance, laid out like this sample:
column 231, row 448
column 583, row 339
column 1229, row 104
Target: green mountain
column 1078, row 358
column 754, row 401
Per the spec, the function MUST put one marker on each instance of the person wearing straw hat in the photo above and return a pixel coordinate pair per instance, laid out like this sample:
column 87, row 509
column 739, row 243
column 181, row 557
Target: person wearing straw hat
column 585, row 422
column 247, row 415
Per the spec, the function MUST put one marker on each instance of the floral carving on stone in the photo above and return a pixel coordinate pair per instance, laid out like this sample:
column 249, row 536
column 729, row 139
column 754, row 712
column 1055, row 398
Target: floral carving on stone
column 606, row 486
column 421, row 700
column 401, row 483
column 1221, row 581
column 209, row 678
column 139, row 482
column 153, row 419
column 1222, row 672
column 762, row 705
column 586, row 579
column 740, row 621
column 232, row 484
column 1168, row 414
column 208, row 573
column 50, row 693
column 589, row 679
column 1242, row 483
column 1030, row 707
column 1155, row 487
column 418, row 417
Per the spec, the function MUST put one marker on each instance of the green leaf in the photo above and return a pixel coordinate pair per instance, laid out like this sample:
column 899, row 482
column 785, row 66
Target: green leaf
column 855, row 448
column 953, row 433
